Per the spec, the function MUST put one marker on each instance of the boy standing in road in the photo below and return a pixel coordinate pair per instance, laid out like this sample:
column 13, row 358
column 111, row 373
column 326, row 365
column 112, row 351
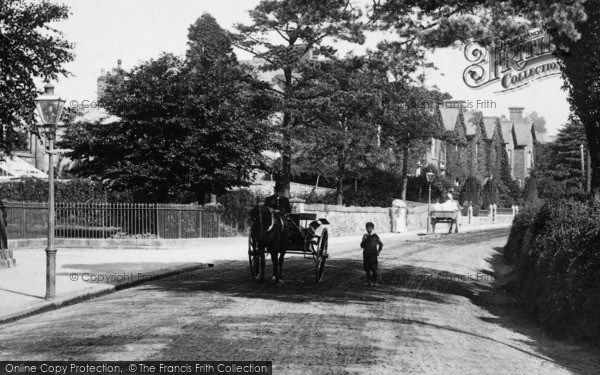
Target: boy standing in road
column 371, row 245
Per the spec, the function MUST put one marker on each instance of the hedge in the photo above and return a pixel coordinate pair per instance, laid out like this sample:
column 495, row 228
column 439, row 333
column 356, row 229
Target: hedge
column 32, row 189
column 470, row 193
column 555, row 250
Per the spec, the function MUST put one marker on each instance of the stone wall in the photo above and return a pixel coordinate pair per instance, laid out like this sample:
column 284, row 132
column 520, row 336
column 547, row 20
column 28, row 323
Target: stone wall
column 416, row 218
column 347, row 221
column 351, row 220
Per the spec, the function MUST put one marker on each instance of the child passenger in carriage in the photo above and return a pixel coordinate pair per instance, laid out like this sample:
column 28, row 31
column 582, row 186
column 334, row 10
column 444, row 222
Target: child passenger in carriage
column 371, row 245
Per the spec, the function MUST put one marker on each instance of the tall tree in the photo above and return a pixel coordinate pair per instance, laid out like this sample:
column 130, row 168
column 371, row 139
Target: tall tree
column 573, row 25
column 408, row 119
column 566, row 157
column 30, row 48
column 283, row 33
column 339, row 122
column 538, row 122
column 189, row 126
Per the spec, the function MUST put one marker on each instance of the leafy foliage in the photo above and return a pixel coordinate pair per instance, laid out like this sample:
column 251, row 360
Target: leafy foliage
column 530, row 192
column 538, row 122
column 30, row 48
column 282, row 34
column 571, row 23
column 195, row 126
column 555, row 252
column 36, row 190
column 581, row 69
column 408, row 120
column 339, row 131
column 489, row 193
column 470, row 194
column 558, row 164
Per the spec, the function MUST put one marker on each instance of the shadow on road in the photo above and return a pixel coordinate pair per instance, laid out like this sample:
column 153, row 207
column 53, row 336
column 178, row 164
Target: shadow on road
column 343, row 282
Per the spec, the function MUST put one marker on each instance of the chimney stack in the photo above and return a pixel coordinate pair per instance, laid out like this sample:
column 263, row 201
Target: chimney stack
column 516, row 114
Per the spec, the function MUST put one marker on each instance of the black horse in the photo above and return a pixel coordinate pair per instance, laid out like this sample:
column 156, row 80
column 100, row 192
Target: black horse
column 269, row 231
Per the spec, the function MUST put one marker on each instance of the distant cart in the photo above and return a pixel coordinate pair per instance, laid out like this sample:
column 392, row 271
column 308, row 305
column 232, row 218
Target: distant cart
column 310, row 241
column 442, row 216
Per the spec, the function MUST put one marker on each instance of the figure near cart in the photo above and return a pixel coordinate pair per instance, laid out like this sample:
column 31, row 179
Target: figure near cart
column 277, row 201
column 371, row 245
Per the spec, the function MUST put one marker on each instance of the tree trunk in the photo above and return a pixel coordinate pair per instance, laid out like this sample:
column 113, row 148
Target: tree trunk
column 405, row 155
column 588, row 178
column 286, row 155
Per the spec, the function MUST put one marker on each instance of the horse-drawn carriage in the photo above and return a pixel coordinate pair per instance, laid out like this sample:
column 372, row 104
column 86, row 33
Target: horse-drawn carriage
column 272, row 234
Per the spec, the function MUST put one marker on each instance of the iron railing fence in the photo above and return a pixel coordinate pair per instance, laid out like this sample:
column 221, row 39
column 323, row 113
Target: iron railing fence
column 121, row 220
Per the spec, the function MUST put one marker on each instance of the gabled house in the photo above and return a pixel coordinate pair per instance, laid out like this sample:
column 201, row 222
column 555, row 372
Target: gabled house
column 472, row 144
column 451, row 144
column 519, row 142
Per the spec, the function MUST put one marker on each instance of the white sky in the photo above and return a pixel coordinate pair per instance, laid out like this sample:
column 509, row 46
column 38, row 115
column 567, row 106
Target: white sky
column 104, row 31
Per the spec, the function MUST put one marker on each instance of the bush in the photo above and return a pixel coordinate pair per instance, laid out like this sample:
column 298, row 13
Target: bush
column 314, row 198
column 125, row 236
column 555, row 253
column 469, row 193
column 518, row 232
column 31, row 189
column 490, row 193
column 379, row 190
column 530, row 192
column 236, row 205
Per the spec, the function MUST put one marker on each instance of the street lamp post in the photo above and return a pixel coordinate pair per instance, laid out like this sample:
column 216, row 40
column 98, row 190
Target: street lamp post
column 430, row 177
column 418, row 173
column 50, row 107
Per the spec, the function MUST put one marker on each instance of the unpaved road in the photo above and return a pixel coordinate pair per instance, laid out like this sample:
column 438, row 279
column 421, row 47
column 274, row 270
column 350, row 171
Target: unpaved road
column 435, row 313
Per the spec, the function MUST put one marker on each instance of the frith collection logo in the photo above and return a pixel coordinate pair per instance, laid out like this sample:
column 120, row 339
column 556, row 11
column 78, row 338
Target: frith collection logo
column 514, row 63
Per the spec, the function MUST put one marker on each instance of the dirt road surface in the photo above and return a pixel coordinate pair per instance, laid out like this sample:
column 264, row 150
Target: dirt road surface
column 436, row 312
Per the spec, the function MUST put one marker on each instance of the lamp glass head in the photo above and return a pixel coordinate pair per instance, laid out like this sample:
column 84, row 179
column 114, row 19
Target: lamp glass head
column 49, row 107
column 430, row 176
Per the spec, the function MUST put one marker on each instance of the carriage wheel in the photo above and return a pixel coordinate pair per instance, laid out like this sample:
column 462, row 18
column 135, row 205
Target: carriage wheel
column 256, row 260
column 322, row 256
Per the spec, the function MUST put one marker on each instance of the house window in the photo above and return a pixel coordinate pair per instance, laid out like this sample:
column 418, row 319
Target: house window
column 529, row 160
column 445, row 154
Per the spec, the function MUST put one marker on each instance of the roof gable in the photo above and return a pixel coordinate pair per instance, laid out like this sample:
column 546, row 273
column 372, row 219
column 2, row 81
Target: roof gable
column 507, row 133
column 489, row 125
column 523, row 133
column 449, row 117
column 474, row 124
